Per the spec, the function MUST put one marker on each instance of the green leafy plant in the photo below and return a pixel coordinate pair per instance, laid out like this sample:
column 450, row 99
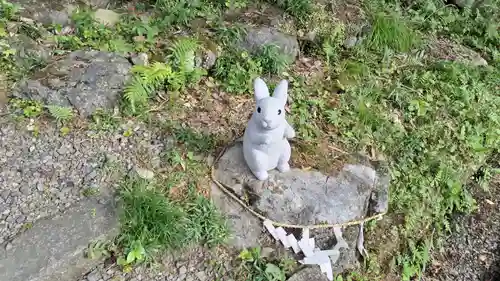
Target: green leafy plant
column 146, row 80
column 236, row 70
column 272, row 60
column 254, row 267
column 27, row 108
column 158, row 76
column 183, row 55
column 60, row 113
column 8, row 10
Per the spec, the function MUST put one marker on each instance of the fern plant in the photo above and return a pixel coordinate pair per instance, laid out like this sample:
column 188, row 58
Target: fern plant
column 183, row 52
column 179, row 71
column 183, row 56
column 146, row 80
column 60, row 113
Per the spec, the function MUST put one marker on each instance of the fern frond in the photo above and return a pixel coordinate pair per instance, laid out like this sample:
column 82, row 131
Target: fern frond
column 60, row 113
column 137, row 92
column 183, row 53
column 159, row 73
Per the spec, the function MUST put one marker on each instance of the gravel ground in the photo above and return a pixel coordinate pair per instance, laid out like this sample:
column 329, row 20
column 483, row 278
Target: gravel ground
column 196, row 264
column 42, row 175
column 473, row 253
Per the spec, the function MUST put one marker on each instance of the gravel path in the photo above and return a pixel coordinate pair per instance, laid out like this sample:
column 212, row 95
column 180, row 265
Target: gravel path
column 473, row 252
column 42, row 175
column 196, row 264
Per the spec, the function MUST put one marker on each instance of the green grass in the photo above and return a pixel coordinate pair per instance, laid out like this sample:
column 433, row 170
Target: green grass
column 152, row 223
column 390, row 31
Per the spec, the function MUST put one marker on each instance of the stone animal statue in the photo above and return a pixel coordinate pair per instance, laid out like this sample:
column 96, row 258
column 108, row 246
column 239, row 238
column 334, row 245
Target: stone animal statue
column 265, row 142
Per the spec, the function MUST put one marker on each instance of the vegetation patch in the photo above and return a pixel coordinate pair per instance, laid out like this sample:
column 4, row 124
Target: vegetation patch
column 152, row 222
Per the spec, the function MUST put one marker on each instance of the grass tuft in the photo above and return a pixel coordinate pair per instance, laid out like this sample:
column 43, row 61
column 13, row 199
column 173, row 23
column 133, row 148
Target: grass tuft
column 153, row 222
column 390, row 31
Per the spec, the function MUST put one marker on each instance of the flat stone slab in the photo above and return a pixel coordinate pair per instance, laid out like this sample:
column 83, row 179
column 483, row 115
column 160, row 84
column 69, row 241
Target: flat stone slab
column 53, row 249
column 308, row 197
column 309, row 274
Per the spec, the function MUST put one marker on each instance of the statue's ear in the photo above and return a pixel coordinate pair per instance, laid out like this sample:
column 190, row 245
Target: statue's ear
column 260, row 89
column 280, row 92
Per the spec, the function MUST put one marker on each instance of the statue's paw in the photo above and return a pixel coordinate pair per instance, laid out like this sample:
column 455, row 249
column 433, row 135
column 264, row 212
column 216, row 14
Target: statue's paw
column 285, row 167
column 261, row 175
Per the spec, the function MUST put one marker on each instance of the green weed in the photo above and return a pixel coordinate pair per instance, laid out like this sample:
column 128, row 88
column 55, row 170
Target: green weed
column 174, row 76
column 104, row 121
column 206, row 226
column 26, row 108
column 272, row 60
column 190, row 139
column 151, row 222
column 434, row 125
column 476, row 27
column 254, row 266
column 236, row 70
column 390, row 31
column 8, row 10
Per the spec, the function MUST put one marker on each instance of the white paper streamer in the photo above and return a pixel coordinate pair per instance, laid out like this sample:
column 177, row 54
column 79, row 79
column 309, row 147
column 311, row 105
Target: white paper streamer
column 306, row 245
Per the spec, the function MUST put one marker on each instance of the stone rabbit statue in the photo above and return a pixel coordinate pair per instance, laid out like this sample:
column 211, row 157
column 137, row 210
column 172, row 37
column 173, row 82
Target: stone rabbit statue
column 265, row 142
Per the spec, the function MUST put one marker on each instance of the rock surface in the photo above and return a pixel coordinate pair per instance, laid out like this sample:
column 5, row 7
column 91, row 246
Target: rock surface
column 302, row 197
column 53, row 249
column 246, row 228
column 305, row 197
column 255, row 38
column 85, row 80
column 106, row 17
column 309, row 274
column 54, row 12
column 446, row 49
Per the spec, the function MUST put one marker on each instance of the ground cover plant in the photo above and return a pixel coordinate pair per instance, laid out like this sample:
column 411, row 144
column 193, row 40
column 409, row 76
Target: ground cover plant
column 434, row 120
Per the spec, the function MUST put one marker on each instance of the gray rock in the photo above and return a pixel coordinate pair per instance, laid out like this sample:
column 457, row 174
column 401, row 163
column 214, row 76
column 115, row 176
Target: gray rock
column 4, row 194
column 478, row 61
column 446, row 49
column 145, row 173
column 53, row 249
column 47, row 12
column 86, row 80
column 140, row 59
column 350, row 42
column 25, row 189
column 205, row 59
column 309, row 274
column 307, row 197
column 202, row 276
column 255, row 38
column 182, row 270
column 94, row 276
column 245, row 227
column 106, row 17
column 27, row 50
